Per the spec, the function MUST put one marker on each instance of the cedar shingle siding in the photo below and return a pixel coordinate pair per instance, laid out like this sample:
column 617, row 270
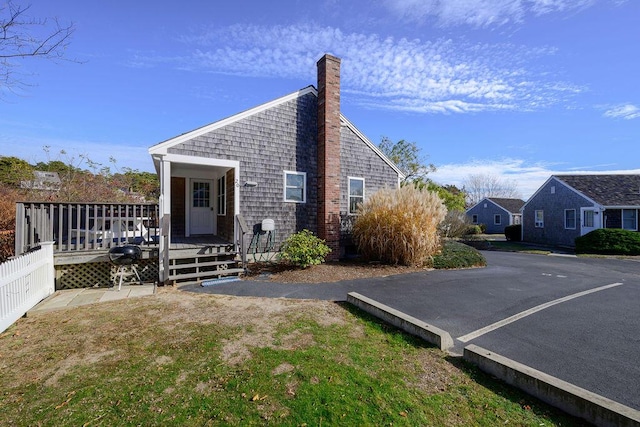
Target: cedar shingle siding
column 266, row 144
column 554, row 206
column 508, row 209
column 280, row 138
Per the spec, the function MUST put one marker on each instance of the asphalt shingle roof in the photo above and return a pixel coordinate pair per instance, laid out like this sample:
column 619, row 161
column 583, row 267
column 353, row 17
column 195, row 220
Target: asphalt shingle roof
column 607, row 190
column 512, row 205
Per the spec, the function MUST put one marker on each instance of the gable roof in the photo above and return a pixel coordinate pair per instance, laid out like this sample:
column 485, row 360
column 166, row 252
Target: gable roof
column 162, row 147
column 606, row 190
column 511, row 205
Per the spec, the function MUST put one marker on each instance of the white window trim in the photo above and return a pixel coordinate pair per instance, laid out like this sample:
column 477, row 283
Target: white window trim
column 622, row 219
column 304, row 186
column 574, row 219
column 585, row 214
column 355, row 178
column 497, row 217
column 538, row 224
column 221, row 197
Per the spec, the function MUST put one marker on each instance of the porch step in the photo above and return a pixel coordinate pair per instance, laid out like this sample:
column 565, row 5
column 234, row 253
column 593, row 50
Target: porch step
column 189, row 268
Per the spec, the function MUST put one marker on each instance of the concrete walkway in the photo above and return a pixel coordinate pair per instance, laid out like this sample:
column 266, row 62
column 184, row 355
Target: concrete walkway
column 77, row 297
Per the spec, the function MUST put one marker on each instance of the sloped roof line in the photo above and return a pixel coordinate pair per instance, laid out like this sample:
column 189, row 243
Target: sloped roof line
column 162, row 147
column 511, row 205
column 606, row 190
column 495, row 201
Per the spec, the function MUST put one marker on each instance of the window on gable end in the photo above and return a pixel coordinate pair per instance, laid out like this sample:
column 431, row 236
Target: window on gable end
column 539, row 219
column 356, row 194
column 497, row 219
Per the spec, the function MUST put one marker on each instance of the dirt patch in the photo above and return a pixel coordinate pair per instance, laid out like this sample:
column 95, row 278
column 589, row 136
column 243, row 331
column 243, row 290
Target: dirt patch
column 325, row 273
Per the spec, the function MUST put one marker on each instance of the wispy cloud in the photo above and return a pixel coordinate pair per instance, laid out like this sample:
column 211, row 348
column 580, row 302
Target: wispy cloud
column 528, row 177
column 441, row 76
column 480, row 13
column 623, row 111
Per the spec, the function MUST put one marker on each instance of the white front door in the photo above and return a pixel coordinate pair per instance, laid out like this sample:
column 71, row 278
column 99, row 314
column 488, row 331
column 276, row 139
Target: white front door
column 201, row 215
column 589, row 220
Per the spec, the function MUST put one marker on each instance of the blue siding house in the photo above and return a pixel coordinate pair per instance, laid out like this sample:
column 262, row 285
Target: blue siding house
column 496, row 213
column 569, row 206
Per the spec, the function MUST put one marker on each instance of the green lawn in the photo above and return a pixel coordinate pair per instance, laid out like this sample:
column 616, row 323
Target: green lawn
column 184, row 359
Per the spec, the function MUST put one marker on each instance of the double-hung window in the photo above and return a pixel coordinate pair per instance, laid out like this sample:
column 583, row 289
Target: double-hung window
column 587, row 220
column 474, row 218
column 295, row 187
column 356, row 194
column 497, row 219
column 570, row 219
column 539, row 219
column 222, row 195
column 630, row 219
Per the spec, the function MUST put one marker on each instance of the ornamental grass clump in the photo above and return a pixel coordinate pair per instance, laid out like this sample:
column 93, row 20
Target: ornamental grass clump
column 399, row 226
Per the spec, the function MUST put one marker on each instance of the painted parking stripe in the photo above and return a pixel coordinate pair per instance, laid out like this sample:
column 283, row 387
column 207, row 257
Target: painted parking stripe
column 503, row 322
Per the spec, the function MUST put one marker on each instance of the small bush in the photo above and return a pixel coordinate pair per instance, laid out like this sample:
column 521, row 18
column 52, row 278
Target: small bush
column 457, row 255
column 304, row 249
column 483, row 228
column 399, row 226
column 473, row 229
column 513, row 233
column 609, row 241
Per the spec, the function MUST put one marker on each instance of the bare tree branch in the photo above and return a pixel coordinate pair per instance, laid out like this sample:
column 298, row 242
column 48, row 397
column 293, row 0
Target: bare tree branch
column 23, row 37
column 481, row 185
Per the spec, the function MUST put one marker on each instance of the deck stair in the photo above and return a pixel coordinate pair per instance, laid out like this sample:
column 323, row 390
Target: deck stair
column 208, row 263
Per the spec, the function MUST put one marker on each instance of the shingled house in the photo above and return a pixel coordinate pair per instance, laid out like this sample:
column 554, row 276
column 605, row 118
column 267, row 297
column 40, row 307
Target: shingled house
column 568, row 206
column 496, row 213
column 295, row 160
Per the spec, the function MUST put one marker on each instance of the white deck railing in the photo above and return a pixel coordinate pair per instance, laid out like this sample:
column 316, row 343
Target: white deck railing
column 24, row 282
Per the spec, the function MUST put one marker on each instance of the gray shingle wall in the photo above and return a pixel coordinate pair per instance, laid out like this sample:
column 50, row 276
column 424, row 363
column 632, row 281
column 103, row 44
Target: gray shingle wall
column 553, row 205
column 285, row 138
column 486, row 216
column 358, row 160
column 267, row 143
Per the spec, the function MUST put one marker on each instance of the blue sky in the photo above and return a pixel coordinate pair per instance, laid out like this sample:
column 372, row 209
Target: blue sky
column 517, row 88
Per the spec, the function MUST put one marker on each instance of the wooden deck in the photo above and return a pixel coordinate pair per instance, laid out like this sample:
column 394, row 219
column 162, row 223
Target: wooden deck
column 194, row 242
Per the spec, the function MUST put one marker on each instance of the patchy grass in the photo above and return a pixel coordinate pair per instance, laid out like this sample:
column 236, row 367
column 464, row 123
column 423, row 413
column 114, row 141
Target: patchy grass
column 458, row 255
column 183, row 359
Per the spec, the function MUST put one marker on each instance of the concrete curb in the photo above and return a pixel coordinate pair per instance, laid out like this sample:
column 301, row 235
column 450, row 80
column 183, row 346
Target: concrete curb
column 409, row 324
column 572, row 399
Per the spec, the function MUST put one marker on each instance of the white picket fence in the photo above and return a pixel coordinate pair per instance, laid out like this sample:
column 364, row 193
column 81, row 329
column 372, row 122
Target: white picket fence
column 24, row 282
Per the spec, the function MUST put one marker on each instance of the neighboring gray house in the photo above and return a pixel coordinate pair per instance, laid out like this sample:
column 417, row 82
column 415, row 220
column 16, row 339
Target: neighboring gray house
column 568, row 206
column 496, row 213
column 296, row 160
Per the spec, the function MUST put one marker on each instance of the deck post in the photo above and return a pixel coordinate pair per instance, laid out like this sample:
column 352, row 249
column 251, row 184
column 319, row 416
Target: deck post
column 165, row 220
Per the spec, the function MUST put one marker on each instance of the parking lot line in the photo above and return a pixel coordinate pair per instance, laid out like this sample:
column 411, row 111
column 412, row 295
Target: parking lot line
column 511, row 319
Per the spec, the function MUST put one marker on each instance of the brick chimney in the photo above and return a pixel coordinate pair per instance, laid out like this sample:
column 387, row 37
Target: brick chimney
column 329, row 153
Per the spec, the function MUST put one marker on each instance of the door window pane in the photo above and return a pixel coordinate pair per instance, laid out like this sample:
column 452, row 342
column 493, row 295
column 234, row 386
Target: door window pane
column 201, row 195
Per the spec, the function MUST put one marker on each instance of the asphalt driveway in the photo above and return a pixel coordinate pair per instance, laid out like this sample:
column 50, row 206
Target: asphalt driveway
column 577, row 319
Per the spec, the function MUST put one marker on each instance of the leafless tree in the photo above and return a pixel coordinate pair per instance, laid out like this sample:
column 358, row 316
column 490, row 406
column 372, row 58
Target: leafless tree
column 23, row 37
column 479, row 186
